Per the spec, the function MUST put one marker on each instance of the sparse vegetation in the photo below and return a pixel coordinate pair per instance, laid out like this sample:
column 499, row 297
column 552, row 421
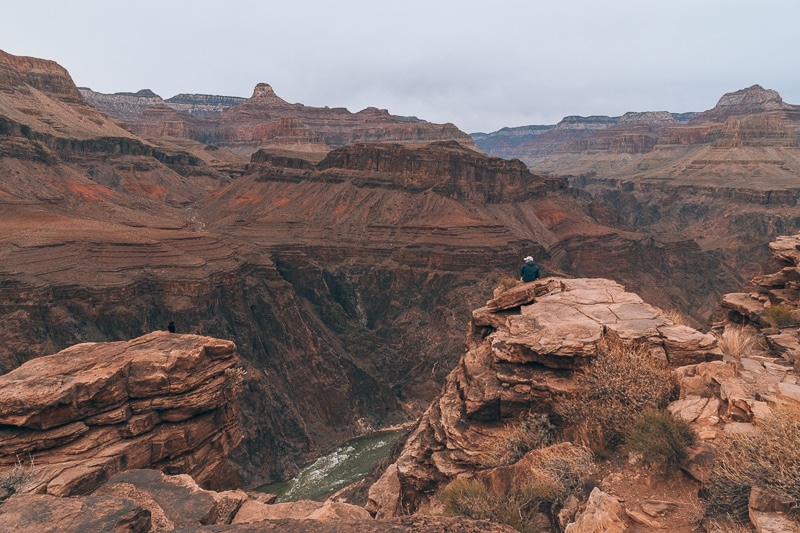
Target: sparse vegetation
column 736, row 341
column 780, row 315
column 507, row 282
column 12, row 481
column 768, row 459
column 621, row 382
column 559, row 472
column 676, row 317
column 234, row 379
column 661, row 438
column 527, row 433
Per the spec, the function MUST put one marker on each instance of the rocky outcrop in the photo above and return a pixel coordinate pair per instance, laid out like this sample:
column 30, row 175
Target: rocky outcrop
column 147, row 501
column 521, row 354
column 22, row 73
column 82, row 415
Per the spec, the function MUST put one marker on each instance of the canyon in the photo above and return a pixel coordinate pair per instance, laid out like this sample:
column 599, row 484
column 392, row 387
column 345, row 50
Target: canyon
column 346, row 284
column 343, row 252
column 727, row 177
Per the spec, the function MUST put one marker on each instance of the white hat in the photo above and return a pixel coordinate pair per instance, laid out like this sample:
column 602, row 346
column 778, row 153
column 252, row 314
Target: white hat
column 529, row 258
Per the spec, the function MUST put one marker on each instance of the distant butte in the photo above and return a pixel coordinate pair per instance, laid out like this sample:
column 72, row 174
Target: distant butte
column 265, row 120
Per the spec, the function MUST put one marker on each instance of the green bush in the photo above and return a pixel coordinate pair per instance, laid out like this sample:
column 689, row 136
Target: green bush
column 780, row 315
column 768, row 459
column 661, row 438
column 622, row 381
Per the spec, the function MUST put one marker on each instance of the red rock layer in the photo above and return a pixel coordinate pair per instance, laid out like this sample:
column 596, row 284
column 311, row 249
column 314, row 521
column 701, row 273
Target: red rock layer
column 160, row 401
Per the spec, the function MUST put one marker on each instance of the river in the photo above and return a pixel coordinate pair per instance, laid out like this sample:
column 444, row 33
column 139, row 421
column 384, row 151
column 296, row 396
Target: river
column 345, row 464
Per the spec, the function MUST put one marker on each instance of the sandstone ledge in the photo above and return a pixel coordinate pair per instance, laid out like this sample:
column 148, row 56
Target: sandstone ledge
column 81, row 415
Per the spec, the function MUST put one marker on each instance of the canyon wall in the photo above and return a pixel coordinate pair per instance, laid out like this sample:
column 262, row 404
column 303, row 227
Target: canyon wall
column 346, row 286
column 725, row 178
column 245, row 125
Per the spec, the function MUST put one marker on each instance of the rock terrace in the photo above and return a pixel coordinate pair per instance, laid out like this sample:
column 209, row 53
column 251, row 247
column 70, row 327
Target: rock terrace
column 81, row 415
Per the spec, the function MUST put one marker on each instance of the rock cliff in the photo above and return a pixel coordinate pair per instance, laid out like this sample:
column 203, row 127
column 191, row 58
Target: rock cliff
column 160, row 401
column 733, row 168
column 522, row 352
column 265, row 120
column 346, row 287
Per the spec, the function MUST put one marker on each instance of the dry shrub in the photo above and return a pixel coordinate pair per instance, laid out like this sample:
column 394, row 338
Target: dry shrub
column 517, row 508
column 736, row 341
column 12, row 481
column 780, row 315
column 530, row 432
column 676, row 317
column 724, row 525
column 662, row 438
column 768, row 459
column 621, row 382
column 507, row 282
column 559, row 472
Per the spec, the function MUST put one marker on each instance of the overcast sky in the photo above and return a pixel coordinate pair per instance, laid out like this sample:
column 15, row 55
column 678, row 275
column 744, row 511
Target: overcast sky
column 482, row 65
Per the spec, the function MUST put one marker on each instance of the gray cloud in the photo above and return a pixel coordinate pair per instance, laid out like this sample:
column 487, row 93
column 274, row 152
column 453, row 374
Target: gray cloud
column 480, row 65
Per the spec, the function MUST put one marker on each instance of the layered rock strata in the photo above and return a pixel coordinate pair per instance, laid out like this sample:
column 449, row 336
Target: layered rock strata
column 265, row 120
column 346, row 288
column 80, row 416
column 725, row 178
column 522, row 351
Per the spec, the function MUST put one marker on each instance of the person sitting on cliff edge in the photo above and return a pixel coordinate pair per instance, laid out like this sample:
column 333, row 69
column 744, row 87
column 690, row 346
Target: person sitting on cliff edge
column 529, row 271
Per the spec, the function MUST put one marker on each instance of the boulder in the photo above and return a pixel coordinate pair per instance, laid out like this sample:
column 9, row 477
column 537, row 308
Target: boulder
column 603, row 512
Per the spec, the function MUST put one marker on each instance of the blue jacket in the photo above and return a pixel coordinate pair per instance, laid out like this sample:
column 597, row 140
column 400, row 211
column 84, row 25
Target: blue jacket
column 529, row 272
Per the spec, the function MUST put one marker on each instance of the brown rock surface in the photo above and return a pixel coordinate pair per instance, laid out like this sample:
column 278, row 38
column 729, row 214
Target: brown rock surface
column 162, row 400
column 603, row 513
column 42, row 513
column 725, row 178
column 265, row 119
column 346, row 289
column 524, row 361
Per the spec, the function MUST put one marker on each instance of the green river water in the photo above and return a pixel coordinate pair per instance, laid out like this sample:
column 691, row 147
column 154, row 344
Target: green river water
column 345, row 464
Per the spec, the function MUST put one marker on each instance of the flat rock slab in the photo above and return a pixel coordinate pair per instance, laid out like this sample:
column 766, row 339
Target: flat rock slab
column 92, row 378
column 40, row 513
column 565, row 324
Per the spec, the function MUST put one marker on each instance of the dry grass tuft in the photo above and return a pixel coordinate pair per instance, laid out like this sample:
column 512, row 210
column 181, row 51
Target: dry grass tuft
column 505, row 283
column 558, row 473
column 621, row 382
column 530, row 432
column 676, row 317
column 662, row 439
column 780, row 315
column 12, row 481
column 768, row 459
column 737, row 341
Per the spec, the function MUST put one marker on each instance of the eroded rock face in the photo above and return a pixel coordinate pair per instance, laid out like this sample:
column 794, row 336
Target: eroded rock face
column 521, row 354
column 347, row 289
column 265, row 120
column 162, row 400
